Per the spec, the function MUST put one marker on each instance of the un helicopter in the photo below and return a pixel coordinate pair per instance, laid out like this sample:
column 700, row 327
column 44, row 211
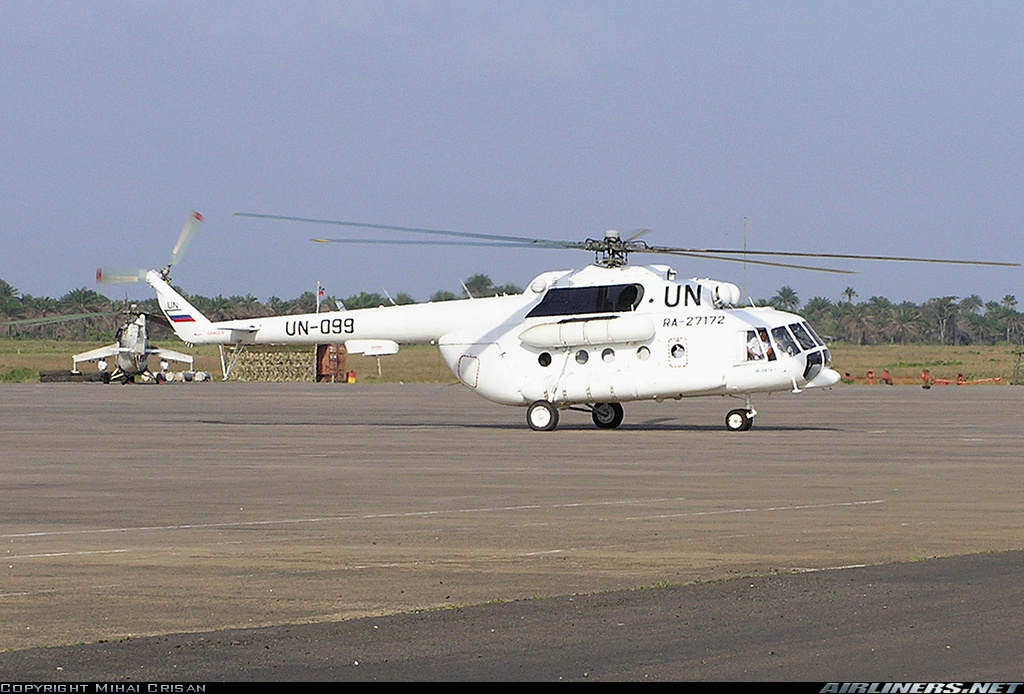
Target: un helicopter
column 588, row 339
column 132, row 350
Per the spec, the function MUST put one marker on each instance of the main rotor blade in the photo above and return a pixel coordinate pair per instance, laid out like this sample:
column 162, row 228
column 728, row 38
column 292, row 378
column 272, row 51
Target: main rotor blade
column 630, row 245
column 840, row 256
column 769, row 263
column 639, row 233
column 406, row 242
column 519, row 240
column 184, row 238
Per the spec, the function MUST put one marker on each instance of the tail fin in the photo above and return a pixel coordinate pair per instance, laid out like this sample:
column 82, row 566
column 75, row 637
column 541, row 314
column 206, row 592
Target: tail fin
column 187, row 321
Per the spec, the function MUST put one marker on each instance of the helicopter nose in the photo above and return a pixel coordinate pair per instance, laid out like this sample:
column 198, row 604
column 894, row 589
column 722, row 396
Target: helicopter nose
column 824, row 379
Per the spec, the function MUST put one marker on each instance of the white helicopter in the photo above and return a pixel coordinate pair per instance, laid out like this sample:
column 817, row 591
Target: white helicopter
column 132, row 350
column 131, row 353
column 587, row 339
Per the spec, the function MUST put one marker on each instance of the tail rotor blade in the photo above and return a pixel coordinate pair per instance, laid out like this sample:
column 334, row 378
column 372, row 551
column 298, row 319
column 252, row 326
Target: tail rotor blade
column 184, row 238
column 119, row 276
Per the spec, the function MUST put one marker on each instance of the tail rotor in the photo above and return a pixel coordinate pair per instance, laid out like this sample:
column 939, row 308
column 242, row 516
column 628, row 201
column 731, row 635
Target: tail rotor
column 126, row 276
column 183, row 240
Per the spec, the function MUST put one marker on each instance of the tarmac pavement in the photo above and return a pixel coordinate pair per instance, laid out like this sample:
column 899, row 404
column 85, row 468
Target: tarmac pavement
column 146, row 511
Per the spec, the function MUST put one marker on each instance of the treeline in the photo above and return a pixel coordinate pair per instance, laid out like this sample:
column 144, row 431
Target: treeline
column 946, row 320
column 84, row 314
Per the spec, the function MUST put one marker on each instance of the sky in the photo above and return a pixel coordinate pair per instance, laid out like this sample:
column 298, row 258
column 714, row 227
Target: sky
column 840, row 127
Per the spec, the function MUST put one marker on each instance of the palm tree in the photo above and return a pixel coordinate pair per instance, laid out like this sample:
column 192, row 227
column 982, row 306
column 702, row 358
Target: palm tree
column 479, row 285
column 878, row 315
column 306, row 303
column 247, row 306
column 786, row 299
column 443, row 295
column 276, row 306
column 942, row 313
column 83, row 301
column 904, row 322
column 11, row 306
column 971, row 304
column 857, row 323
column 7, row 291
column 364, row 300
column 849, row 293
column 1014, row 327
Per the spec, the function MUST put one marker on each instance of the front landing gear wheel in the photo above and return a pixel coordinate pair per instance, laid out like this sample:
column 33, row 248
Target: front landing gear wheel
column 739, row 420
column 542, row 416
column 607, row 415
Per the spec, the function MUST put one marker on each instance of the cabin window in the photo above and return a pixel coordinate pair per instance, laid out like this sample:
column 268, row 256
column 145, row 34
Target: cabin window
column 608, row 355
column 570, row 301
column 677, row 354
column 582, row 356
column 758, row 345
column 544, row 359
column 643, row 353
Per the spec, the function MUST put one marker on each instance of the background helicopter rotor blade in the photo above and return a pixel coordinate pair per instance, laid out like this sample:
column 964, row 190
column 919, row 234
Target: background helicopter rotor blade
column 156, row 318
column 58, row 319
column 184, row 238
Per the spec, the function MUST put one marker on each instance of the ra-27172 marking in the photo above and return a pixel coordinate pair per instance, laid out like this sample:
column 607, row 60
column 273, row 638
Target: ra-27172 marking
column 692, row 321
column 328, row 326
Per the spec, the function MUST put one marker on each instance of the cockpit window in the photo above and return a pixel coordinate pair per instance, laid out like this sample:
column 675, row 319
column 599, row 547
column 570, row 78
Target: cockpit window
column 784, row 341
column 805, row 340
column 813, row 334
column 571, row 301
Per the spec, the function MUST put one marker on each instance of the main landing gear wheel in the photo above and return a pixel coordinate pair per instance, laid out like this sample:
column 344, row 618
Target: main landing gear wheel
column 542, row 416
column 607, row 415
column 739, row 420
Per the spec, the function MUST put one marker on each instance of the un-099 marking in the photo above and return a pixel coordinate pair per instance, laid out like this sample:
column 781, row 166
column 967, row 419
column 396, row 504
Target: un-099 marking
column 328, row 326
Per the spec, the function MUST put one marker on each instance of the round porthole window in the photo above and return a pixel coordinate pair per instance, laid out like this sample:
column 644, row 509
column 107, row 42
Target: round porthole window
column 643, row 354
column 544, row 359
column 582, row 356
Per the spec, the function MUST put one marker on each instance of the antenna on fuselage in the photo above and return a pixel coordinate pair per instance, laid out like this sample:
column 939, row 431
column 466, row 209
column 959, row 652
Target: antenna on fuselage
column 744, row 255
